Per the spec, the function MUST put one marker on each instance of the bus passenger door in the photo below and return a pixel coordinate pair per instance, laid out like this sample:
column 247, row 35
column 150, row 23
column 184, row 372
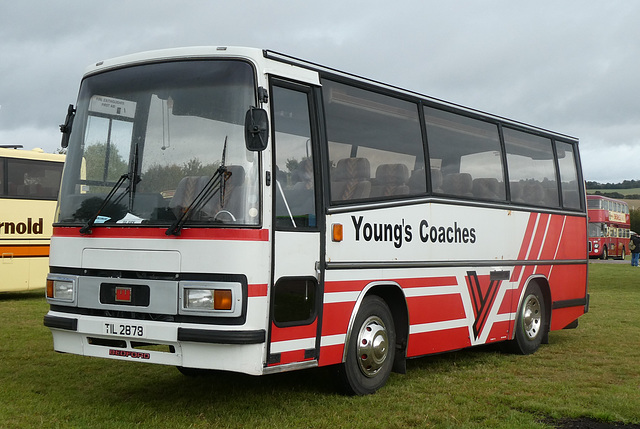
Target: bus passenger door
column 296, row 292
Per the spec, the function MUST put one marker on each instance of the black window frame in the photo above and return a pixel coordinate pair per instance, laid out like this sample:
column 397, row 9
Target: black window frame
column 316, row 141
column 421, row 156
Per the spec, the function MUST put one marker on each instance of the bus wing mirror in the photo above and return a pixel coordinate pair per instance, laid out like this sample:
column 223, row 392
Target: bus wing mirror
column 65, row 128
column 256, row 129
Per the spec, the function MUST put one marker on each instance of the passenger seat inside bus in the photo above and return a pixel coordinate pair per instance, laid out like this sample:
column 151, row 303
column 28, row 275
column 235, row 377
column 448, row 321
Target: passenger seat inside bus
column 351, row 179
column 459, row 184
column 391, row 179
column 488, row 188
column 533, row 192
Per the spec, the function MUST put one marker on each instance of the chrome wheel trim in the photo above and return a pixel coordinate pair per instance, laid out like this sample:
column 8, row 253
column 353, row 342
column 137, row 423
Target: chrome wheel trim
column 531, row 317
column 372, row 346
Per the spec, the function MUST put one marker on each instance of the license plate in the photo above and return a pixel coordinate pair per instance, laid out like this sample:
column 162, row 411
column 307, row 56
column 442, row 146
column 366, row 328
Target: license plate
column 125, row 330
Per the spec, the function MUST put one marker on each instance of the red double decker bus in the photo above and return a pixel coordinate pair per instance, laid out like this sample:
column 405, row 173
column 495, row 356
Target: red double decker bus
column 608, row 227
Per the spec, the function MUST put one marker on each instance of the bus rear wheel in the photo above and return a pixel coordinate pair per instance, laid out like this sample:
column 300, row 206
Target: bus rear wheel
column 370, row 351
column 531, row 322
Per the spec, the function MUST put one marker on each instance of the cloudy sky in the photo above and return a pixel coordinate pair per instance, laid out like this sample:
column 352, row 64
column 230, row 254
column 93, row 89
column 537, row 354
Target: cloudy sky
column 571, row 66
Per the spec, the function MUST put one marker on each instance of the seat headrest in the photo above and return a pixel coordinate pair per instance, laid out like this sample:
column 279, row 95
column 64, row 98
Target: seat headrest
column 393, row 174
column 352, row 168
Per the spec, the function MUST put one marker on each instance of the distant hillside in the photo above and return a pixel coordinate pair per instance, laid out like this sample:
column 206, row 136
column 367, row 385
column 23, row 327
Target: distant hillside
column 633, row 204
column 626, row 184
column 627, row 189
column 631, row 193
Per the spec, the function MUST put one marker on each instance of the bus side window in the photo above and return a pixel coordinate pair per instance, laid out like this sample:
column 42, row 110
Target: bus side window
column 294, row 190
column 466, row 158
column 3, row 191
column 375, row 142
column 568, row 176
column 294, row 301
column 532, row 172
column 33, row 179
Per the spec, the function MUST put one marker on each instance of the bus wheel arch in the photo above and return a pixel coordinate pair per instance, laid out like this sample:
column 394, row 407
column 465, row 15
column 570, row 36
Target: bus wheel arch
column 376, row 339
column 533, row 317
column 395, row 299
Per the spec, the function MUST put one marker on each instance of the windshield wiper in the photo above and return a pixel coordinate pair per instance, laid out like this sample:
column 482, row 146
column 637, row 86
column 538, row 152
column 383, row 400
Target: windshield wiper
column 133, row 178
column 86, row 229
column 216, row 184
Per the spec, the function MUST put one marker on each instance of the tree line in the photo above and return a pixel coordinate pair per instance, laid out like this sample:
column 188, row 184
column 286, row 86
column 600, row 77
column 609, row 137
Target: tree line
column 617, row 195
column 625, row 184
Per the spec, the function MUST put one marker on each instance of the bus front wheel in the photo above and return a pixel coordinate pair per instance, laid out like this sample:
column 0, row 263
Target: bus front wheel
column 605, row 254
column 531, row 322
column 370, row 351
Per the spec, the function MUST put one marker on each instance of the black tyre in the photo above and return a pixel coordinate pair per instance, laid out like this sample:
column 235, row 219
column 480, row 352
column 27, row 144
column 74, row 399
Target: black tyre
column 531, row 322
column 605, row 254
column 371, row 348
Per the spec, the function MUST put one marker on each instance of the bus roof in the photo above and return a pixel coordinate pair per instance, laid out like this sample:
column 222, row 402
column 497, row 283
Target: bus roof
column 281, row 64
column 36, row 153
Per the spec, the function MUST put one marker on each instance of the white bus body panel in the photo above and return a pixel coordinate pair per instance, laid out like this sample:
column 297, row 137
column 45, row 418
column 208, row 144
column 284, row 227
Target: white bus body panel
column 178, row 256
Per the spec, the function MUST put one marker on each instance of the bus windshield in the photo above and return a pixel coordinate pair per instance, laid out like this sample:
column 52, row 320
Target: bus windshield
column 596, row 229
column 152, row 136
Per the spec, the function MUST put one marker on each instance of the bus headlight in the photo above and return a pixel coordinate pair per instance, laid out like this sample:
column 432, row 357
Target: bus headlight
column 61, row 288
column 199, row 299
column 211, row 299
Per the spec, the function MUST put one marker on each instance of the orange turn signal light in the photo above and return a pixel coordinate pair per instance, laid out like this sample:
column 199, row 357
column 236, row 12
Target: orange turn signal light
column 336, row 230
column 222, row 299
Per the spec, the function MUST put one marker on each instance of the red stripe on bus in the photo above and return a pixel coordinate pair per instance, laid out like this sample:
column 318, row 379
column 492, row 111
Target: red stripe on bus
column 425, row 343
column 345, row 286
column 524, row 247
column 563, row 275
column 575, row 231
column 526, row 241
column 500, row 331
column 427, row 282
column 438, row 308
column 25, row 250
column 331, row 355
column 159, row 233
column 507, row 300
column 538, row 237
column 335, row 317
column 562, row 317
column 358, row 285
column 293, row 332
column 257, row 290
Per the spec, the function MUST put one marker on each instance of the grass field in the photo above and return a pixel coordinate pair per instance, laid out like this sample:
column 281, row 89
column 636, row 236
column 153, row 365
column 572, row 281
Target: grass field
column 591, row 372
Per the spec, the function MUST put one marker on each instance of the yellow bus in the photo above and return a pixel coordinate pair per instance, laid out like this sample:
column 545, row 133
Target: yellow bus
column 29, row 185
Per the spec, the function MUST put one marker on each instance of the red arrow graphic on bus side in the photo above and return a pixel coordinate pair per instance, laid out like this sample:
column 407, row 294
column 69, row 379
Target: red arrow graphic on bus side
column 483, row 296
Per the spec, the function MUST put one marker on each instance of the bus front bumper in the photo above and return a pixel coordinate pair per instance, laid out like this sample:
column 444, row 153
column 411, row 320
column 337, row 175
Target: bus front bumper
column 158, row 342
